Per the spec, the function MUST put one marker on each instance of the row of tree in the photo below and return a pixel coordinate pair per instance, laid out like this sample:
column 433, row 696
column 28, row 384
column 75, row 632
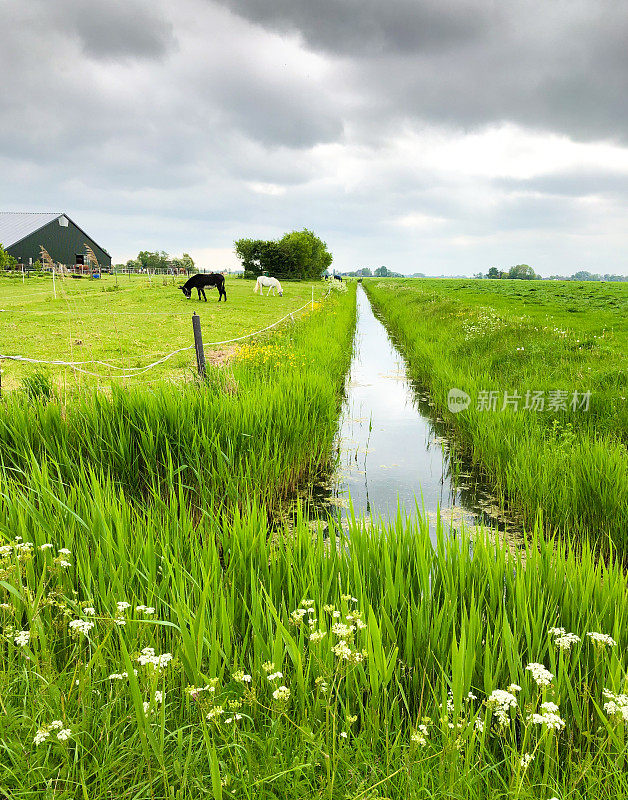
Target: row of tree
column 519, row 271
column 297, row 255
column 525, row 272
column 158, row 261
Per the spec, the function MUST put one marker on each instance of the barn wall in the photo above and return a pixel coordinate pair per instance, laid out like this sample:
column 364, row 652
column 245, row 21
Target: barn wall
column 63, row 243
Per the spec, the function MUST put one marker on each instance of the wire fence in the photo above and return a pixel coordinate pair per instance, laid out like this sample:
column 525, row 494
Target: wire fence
column 132, row 372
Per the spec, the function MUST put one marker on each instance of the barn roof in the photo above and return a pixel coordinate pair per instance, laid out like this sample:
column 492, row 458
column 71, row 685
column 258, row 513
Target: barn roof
column 17, row 225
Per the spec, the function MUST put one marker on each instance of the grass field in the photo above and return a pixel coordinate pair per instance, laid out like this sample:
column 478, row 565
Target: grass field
column 529, row 336
column 129, row 322
column 165, row 638
column 257, row 427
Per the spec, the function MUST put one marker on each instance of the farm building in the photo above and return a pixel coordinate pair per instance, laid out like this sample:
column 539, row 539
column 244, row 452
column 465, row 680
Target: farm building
column 22, row 235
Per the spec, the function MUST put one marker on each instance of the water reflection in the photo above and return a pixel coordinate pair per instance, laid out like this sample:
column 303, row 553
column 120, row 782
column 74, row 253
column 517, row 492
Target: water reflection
column 392, row 451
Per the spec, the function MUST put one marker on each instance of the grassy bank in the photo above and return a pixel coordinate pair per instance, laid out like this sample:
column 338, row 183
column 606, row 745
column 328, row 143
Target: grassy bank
column 256, row 428
column 129, row 322
column 520, row 337
column 150, row 654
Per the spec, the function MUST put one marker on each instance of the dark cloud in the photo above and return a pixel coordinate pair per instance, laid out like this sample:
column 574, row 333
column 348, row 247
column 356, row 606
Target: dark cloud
column 370, row 27
column 188, row 125
column 115, row 29
column 556, row 66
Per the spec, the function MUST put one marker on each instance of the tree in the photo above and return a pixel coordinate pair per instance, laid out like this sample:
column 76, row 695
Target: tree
column 493, row 273
column 382, row 272
column 297, row 255
column 151, row 261
column 522, row 272
column 6, row 261
column 184, row 263
column 188, row 263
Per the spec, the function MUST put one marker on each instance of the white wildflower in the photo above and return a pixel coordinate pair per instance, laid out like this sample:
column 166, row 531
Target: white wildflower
column 241, row 677
column 64, row 551
column 342, row 650
column 542, row 676
column 552, row 721
column 46, row 546
column 22, row 638
column 343, row 734
column 63, row 563
column 275, row 676
column 297, row 616
column 122, row 605
column 341, row 630
column 89, row 611
column 120, row 621
column 601, row 639
column 514, row 688
column 41, row 736
column 419, row 736
column 83, row 626
column 282, row 693
column 501, row 702
column 526, row 760
column 56, row 724
column 214, row 712
column 616, row 705
column 64, row 734
column 147, row 657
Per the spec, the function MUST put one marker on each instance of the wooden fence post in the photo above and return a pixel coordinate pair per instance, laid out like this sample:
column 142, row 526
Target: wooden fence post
column 198, row 344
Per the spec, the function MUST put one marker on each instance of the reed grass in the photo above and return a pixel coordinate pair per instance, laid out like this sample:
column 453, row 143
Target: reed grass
column 571, row 466
column 432, row 633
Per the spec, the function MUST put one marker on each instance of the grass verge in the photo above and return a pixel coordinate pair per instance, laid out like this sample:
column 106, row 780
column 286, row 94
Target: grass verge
column 511, row 337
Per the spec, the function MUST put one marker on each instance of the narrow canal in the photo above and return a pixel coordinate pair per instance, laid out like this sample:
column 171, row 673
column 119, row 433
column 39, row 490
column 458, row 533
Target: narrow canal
column 392, row 450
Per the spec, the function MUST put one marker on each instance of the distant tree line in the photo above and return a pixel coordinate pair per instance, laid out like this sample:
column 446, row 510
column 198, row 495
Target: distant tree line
column 297, row 255
column 380, row 272
column 158, row 261
column 525, row 272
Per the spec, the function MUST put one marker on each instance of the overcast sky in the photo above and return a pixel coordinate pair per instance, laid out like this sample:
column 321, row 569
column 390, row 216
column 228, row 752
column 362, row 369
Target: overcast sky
column 426, row 135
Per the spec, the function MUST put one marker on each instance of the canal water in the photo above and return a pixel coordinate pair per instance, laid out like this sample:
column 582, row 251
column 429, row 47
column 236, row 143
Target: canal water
column 392, row 450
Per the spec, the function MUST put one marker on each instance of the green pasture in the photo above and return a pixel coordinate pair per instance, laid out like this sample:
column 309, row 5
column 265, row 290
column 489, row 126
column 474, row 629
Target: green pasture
column 128, row 322
column 569, row 463
column 167, row 635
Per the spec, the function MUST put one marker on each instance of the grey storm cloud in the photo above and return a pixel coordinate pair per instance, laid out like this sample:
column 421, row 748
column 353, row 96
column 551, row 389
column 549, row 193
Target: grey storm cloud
column 561, row 65
column 370, row 27
column 205, row 120
column 117, row 29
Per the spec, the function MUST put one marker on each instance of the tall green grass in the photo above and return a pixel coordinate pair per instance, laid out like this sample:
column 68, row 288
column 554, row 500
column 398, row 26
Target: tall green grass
column 570, row 465
column 435, row 626
column 257, row 428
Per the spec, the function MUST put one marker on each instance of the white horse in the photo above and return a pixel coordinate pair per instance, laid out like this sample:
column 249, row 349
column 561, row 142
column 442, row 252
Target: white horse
column 272, row 283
